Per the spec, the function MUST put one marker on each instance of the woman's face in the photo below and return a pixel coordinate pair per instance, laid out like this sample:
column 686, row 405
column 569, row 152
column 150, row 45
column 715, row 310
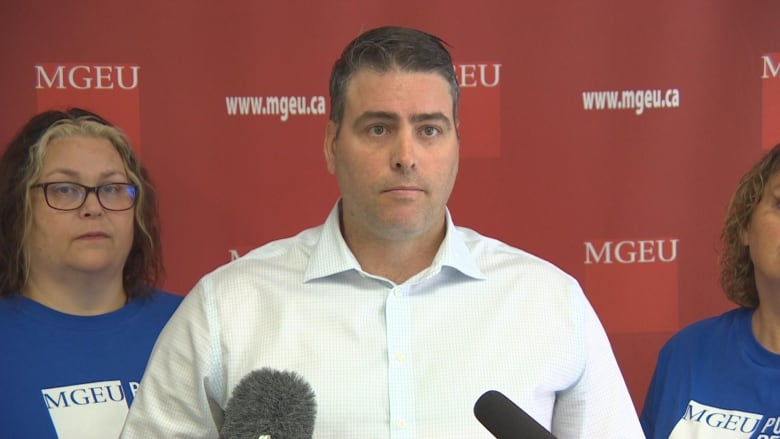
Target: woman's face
column 763, row 238
column 89, row 240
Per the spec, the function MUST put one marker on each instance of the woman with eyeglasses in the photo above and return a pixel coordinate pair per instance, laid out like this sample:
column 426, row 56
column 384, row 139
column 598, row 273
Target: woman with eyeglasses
column 79, row 260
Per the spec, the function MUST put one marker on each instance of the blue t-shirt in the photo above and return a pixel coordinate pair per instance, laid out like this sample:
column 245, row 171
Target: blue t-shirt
column 71, row 376
column 714, row 380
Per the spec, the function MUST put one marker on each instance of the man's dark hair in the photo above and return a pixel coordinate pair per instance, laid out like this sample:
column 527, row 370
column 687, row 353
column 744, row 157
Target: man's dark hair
column 391, row 48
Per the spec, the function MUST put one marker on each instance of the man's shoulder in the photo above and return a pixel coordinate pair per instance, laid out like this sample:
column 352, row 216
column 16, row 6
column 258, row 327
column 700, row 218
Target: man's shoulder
column 492, row 254
column 306, row 239
column 284, row 253
column 492, row 249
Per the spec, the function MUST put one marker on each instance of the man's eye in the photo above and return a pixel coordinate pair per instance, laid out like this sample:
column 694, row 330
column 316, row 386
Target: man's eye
column 430, row 131
column 377, row 130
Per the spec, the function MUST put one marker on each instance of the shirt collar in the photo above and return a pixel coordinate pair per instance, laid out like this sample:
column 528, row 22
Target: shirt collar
column 332, row 256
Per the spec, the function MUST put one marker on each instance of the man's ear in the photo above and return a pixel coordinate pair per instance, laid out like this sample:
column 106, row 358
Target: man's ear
column 329, row 146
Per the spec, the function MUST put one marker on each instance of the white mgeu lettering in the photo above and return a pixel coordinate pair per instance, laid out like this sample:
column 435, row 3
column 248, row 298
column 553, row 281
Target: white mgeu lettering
column 770, row 70
column 83, row 77
column 638, row 100
column 283, row 106
column 467, row 75
column 630, row 252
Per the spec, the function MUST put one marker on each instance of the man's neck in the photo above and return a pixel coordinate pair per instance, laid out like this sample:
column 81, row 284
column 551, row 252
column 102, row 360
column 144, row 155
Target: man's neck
column 396, row 263
column 396, row 260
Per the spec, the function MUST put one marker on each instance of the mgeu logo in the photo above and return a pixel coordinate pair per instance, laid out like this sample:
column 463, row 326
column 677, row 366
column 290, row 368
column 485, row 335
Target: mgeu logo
column 701, row 420
column 632, row 252
column 476, row 75
column 770, row 70
column 101, row 405
column 92, row 393
column 85, row 77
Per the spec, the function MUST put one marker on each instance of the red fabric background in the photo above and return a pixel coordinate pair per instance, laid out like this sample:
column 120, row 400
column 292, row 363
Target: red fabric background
column 539, row 170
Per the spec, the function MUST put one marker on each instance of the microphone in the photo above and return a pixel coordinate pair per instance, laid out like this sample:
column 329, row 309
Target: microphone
column 505, row 420
column 270, row 404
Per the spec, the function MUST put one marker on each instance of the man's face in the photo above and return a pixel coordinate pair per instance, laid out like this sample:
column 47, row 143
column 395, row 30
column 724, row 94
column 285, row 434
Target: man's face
column 395, row 155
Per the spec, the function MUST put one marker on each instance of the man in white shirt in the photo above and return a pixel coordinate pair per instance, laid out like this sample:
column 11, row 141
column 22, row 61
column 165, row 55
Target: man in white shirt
column 398, row 319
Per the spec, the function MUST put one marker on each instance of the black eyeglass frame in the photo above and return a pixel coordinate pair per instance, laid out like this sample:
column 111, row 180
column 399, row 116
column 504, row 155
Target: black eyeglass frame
column 87, row 191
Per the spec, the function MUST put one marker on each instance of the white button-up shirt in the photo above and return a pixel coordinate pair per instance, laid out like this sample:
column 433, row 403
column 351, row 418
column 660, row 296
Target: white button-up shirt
column 387, row 360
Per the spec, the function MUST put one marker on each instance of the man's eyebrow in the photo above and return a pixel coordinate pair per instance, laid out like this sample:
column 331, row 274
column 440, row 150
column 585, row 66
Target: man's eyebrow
column 426, row 117
column 394, row 117
column 380, row 115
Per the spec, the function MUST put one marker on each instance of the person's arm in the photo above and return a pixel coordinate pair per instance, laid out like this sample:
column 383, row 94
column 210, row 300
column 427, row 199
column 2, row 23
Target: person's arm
column 175, row 399
column 598, row 405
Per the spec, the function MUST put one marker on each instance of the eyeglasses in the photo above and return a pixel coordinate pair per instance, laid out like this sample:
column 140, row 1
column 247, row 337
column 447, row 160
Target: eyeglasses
column 62, row 195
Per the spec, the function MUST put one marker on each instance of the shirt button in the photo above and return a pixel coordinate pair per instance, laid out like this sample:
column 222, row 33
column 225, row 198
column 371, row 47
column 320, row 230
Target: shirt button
column 397, row 292
column 402, row 424
column 399, row 357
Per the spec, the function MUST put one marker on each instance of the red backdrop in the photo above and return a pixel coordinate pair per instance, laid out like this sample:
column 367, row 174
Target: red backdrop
column 605, row 136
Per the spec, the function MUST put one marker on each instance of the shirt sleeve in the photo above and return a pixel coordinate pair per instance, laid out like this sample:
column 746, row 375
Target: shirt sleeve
column 175, row 398
column 599, row 404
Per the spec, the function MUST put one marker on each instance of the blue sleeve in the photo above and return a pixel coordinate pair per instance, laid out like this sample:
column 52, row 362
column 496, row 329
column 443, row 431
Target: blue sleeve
column 650, row 409
column 654, row 416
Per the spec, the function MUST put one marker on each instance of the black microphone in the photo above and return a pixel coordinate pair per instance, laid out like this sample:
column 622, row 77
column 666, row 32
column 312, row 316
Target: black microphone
column 270, row 403
column 505, row 420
